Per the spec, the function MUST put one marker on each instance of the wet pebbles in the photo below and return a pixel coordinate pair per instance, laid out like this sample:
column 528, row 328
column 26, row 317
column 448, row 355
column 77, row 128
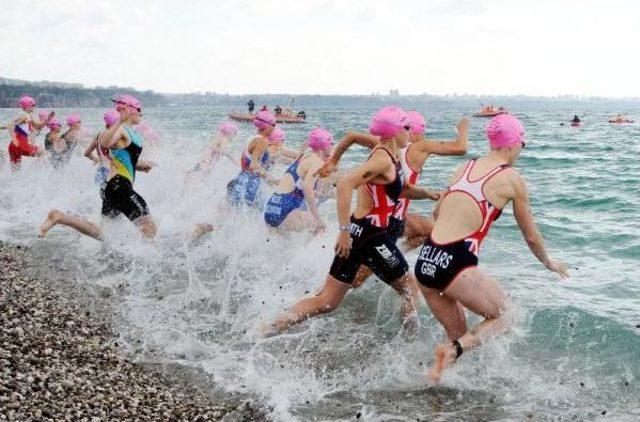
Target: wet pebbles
column 59, row 361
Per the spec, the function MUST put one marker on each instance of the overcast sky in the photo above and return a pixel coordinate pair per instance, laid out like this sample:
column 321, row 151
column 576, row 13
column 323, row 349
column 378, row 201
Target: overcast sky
column 538, row 47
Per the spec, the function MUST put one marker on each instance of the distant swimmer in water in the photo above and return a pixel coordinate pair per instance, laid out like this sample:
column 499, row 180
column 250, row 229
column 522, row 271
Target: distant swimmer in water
column 102, row 158
column 218, row 148
column 298, row 186
column 251, row 106
column 243, row 190
column 125, row 147
column 575, row 119
column 363, row 236
column 413, row 227
column 21, row 129
column 447, row 266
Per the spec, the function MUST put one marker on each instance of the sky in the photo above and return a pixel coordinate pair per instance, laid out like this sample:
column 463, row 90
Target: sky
column 534, row 47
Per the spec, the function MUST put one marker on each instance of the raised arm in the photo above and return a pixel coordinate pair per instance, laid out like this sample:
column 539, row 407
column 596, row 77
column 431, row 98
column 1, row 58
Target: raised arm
column 113, row 134
column 40, row 124
column 524, row 218
column 367, row 171
column 457, row 146
column 363, row 139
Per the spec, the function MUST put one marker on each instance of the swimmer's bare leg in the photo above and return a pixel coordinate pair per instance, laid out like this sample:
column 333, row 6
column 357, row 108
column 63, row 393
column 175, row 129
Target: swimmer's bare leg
column 297, row 221
column 482, row 295
column 56, row 217
column 406, row 289
column 449, row 312
column 362, row 275
column 417, row 229
column 323, row 302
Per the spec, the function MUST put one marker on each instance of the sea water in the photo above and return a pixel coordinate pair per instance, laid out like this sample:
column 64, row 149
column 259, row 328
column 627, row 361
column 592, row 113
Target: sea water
column 573, row 352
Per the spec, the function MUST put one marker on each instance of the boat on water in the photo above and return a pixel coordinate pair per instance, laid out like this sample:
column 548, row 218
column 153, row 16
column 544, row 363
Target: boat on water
column 620, row 119
column 490, row 111
column 284, row 117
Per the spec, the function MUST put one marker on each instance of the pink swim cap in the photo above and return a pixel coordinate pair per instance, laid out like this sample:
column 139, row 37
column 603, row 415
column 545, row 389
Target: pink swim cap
column 53, row 123
column 26, row 101
column 276, row 136
column 227, row 129
column 111, row 117
column 73, row 119
column 505, row 130
column 416, row 121
column 320, row 139
column 263, row 119
column 388, row 122
column 122, row 100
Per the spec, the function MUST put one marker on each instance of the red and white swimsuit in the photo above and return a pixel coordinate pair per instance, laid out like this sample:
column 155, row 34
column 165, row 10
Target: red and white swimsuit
column 439, row 264
column 475, row 190
column 412, row 177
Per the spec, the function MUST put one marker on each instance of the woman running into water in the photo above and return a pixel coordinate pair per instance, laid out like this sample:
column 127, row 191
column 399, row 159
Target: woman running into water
column 363, row 237
column 277, row 151
column 102, row 158
column 72, row 135
column 55, row 146
column 412, row 226
column 53, row 135
column 125, row 147
column 447, row 267
column 21, row 129
column 298, row 186
column 243, row 190
column 218, row 148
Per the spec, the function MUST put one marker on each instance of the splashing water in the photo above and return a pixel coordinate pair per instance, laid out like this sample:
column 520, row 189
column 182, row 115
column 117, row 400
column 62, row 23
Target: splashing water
column 574, row 351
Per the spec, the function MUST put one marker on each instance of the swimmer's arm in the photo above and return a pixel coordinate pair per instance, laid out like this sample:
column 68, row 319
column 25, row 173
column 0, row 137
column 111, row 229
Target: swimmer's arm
column 113, row 134
column 458, row 146
column 258, row 150
column 289, row 153
column 309, row 192
column 365, row 172
column 90, row 148
column 363, row 139
column 362, row 174
column 40, row 124
column 524, row 218
column 416, row 192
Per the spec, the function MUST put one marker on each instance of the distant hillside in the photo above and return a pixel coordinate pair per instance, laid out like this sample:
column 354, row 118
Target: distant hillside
column 56, row 94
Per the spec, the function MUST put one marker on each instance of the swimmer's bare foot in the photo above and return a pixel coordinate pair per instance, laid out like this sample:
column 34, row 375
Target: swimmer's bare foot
column 52, row 220
column 269, row 330
column 445, row 355
column 201, row 230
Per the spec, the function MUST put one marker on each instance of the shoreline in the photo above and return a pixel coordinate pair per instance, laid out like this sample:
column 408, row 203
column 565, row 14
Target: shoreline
column 60, row 358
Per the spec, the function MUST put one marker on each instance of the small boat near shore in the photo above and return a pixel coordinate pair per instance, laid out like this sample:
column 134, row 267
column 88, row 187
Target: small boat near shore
column 280, row 118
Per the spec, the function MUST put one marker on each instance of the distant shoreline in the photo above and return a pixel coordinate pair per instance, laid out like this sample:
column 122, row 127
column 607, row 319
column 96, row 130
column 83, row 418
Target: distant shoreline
column 64, row 95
